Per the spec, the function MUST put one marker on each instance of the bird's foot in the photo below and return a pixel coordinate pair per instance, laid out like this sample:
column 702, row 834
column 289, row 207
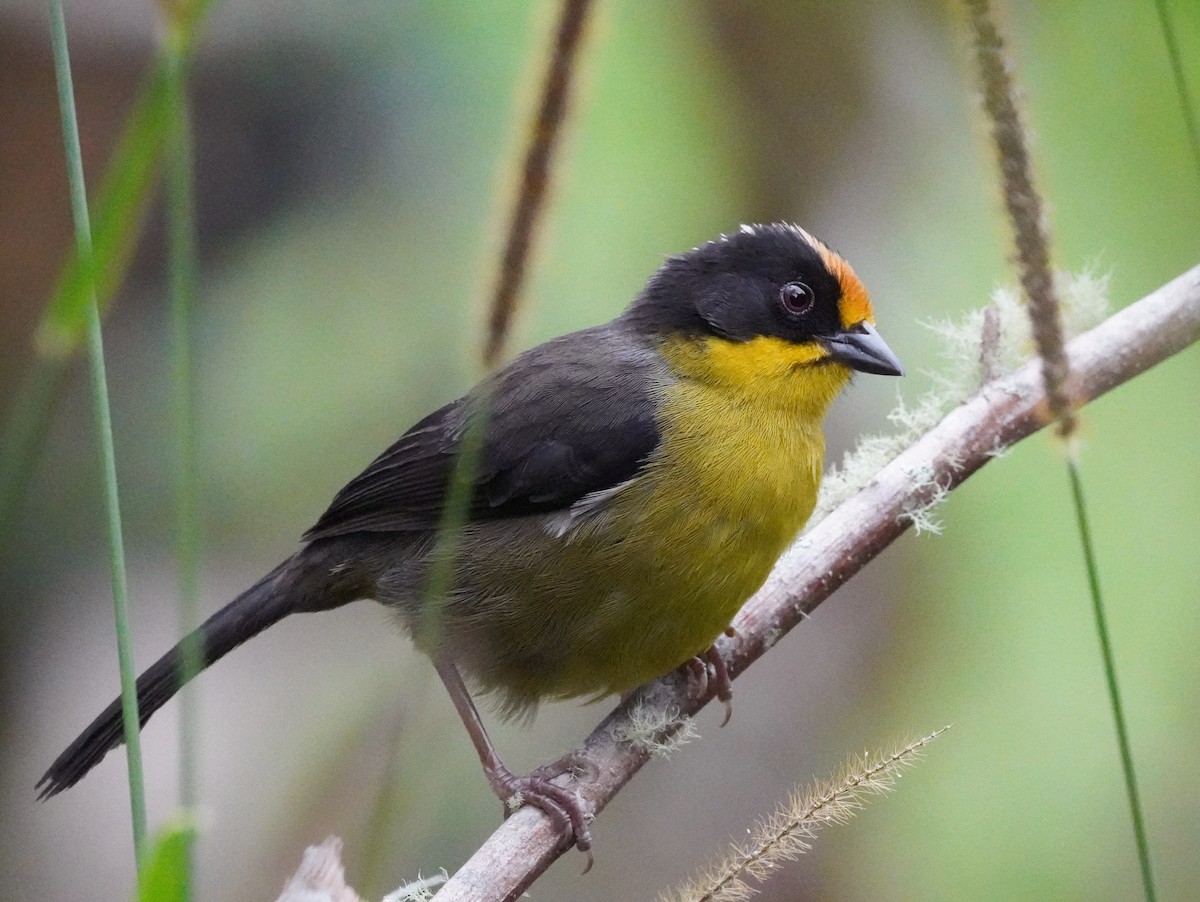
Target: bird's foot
column 708, row 668
column 563, row 806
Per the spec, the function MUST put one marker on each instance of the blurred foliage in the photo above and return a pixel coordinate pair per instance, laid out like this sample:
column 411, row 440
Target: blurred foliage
column 164, row 876
column 330, row 327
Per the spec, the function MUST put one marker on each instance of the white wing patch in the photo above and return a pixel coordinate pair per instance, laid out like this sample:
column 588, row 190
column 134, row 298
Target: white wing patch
column 563, row 523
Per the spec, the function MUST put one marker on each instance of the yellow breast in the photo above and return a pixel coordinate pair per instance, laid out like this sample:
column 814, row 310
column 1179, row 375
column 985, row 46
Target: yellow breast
column 734, row 481
column 654, row 574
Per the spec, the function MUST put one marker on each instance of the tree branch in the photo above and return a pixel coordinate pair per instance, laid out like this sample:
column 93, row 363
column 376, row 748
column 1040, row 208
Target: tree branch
column 1000, row 414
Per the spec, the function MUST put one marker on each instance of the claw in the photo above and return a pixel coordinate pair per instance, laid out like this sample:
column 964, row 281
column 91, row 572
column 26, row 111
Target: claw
column 728, row 703
column 698, row 675
column 561, row 805
column 708, row 669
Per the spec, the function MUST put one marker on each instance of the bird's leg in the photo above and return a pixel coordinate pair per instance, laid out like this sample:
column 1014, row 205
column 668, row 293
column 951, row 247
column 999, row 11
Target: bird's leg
column 561, row 805
column 699, row 670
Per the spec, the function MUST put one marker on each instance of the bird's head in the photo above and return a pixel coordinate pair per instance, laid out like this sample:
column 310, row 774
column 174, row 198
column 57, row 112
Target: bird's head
column 767, row 308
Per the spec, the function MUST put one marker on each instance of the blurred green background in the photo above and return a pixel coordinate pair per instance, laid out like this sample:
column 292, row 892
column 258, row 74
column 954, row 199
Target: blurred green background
column 350, row 161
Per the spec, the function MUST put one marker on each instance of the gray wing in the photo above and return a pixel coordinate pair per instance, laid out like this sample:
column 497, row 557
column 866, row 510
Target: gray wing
column 566, row 419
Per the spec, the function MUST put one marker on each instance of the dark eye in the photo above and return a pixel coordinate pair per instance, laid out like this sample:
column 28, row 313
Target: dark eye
column 797, row 298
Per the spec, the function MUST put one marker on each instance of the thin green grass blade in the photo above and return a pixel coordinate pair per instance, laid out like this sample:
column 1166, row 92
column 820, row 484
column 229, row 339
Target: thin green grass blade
column 119, row 208
column 181, row 251
column 1187, row 103
column 95, row 346
column 124, row 194
column 163, row 877
column 122, row 199
column 121, row 203
column 374, row 837
column 1031, row 238
column 1110, row 674
column 455, row 515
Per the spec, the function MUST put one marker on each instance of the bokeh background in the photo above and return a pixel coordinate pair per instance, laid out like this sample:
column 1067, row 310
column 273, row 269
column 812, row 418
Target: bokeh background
column 351, row 162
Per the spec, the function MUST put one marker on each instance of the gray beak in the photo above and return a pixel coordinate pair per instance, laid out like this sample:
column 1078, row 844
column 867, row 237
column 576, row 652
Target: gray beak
column 861, row 348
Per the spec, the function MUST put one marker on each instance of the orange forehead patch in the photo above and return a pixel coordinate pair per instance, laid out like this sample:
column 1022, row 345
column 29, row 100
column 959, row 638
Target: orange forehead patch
column 855, row 305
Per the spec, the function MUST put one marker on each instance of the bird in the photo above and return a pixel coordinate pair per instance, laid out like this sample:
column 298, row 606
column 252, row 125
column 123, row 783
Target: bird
column 592, row 514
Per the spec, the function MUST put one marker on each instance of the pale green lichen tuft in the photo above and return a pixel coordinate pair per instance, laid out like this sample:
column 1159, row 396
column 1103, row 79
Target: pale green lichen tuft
column 420, row 890
column 1084, row 304
column 656, row 730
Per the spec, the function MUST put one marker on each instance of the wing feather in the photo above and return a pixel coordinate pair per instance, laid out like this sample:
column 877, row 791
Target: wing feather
column 567, row 419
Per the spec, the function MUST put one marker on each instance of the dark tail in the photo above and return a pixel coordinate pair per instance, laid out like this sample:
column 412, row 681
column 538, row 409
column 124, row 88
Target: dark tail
column 290, row 587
